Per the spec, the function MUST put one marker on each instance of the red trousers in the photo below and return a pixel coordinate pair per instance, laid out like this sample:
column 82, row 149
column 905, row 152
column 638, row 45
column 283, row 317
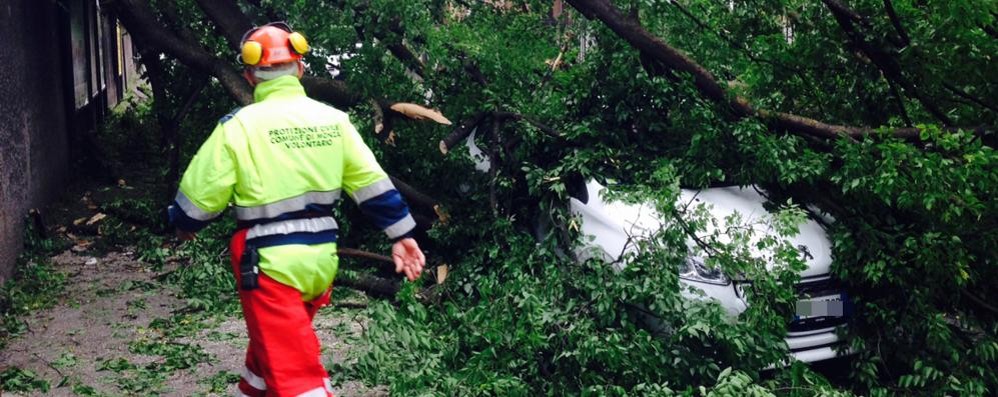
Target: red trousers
column 283, row 354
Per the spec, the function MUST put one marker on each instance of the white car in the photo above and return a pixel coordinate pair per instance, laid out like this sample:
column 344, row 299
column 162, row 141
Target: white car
column 812, row 337
column 610, row 224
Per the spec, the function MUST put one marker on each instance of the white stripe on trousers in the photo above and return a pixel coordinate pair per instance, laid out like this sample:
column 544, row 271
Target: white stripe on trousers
column 254, row 380
column 316, row 392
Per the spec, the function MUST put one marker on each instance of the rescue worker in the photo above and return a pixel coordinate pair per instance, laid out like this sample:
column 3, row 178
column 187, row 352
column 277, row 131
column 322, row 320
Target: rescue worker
column 284, row 161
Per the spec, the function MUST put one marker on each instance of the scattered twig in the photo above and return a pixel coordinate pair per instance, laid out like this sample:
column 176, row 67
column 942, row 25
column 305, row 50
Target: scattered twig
column 350, row 305
column 355, row 253
column 47, row 363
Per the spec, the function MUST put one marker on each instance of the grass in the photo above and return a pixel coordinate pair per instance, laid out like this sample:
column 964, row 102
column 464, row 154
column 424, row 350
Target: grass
column 35, row 285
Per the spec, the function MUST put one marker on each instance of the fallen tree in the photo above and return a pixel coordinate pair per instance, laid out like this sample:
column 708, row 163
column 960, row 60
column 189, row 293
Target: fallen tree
column 852, row 106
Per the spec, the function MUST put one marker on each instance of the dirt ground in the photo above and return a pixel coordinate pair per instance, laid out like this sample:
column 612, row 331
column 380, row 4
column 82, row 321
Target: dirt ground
column 105, row 336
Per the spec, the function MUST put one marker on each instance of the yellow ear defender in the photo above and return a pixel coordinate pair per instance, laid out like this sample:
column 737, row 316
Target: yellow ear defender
column 275, row 41
column 252, row 53
column 298, row 43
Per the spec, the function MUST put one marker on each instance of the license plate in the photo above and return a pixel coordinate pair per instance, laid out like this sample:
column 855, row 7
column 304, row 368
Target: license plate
column 822, row 306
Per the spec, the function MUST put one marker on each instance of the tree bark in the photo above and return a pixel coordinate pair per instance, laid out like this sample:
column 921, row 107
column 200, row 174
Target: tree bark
column 333, row 92
column 228, row 19
column 416, row 199
column 374, row 286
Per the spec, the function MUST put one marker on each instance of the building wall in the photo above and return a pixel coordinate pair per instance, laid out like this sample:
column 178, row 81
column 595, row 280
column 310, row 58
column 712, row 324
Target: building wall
column 34, row 151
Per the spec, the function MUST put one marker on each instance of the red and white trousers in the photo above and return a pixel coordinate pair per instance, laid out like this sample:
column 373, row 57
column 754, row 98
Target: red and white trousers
column 283, row 354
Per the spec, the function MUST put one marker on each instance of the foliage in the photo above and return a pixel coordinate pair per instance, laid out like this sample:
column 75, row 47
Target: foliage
column 18, row 380
column 35, row 284
column 913, row 235
column 206, row 278
column 916, row 216
column 521, row 319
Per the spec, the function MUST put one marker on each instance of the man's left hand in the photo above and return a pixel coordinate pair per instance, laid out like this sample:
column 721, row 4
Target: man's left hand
column 408, row 258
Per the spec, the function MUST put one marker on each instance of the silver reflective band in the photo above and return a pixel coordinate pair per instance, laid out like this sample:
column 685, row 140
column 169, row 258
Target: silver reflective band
column 401, row 227
column 316, row 392
column 192, row 210
column 371, row 191
column 329, row 386
column 254, row 380
column 310, row 225
column 296, row 203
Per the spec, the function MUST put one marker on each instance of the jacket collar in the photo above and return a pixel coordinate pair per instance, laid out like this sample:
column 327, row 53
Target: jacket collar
column 281, row 87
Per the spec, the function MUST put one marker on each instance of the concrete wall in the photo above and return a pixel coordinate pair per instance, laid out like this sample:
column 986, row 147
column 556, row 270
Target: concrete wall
column 33, row 123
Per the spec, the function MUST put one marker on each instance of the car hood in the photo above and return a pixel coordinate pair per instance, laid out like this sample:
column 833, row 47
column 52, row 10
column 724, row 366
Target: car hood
column 613, row 224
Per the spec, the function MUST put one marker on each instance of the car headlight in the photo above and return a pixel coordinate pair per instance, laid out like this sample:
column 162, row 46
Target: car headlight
column 694, row 269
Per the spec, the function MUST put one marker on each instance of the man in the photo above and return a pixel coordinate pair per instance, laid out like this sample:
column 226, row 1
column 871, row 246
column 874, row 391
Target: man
column 283, row 161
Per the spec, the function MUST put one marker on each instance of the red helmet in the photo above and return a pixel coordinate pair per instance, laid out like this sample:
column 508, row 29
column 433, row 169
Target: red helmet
column 272, row 44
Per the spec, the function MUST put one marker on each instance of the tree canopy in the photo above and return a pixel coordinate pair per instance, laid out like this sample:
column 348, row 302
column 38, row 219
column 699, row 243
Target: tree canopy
column 881, row 114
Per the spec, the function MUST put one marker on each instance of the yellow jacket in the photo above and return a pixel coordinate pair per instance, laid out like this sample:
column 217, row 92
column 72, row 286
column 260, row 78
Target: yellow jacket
column 284, row 161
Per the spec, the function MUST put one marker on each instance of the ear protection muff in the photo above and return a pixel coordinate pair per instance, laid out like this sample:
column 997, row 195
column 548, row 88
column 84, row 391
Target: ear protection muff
column 251, row 52
column 298, row 43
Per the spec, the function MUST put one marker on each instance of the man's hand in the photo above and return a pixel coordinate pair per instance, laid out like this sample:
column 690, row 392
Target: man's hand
column 184, row 235
column 408, row 258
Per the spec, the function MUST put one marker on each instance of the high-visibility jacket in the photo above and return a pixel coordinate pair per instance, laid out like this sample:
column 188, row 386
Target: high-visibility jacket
column 284, row 161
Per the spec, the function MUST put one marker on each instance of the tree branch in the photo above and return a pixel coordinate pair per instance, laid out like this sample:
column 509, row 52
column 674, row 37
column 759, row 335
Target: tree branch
column 331, row 91
column 355, row 253
column 965, row 95
column 734, row 44
column 461, row 132
column 896, row 21
column 228, row 19
column 708, row 86
column 418, row 200
column 396, row 47
column 888, row 65
column 900, row 102
column 231, row 21
column 141, row 21
column 530, row 120
column 371, row 285
column 169, row 10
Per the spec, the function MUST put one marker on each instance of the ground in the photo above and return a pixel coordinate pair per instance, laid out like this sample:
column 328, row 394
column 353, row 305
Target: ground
column 117, row 329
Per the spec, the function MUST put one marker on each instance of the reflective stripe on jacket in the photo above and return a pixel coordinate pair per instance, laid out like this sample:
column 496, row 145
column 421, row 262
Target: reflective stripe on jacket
column 284, row 161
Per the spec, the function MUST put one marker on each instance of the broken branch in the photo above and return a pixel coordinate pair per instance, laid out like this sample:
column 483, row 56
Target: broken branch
column 461, row 132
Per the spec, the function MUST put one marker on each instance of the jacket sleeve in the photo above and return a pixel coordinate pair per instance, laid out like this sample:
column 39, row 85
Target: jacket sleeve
column 369, row 186
column 207, row 185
